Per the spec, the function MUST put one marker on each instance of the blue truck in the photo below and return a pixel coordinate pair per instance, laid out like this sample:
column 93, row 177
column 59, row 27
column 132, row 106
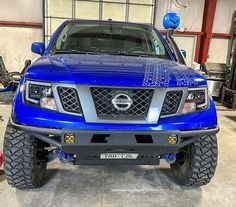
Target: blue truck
column 106, row 92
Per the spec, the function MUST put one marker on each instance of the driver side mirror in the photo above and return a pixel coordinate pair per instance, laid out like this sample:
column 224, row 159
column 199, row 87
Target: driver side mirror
column 184, row 53
column 38, row 48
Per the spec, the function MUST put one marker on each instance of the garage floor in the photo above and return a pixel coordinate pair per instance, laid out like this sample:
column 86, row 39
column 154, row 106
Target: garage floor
column 118, row 186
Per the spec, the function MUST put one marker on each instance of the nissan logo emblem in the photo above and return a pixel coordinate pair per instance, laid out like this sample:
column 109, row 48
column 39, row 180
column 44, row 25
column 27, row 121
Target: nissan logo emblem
column 122, row 102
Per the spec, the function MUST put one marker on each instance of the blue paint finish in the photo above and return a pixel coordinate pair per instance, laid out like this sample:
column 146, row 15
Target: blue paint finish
column 38, row 48
column 114, row 71
column 171, row 20
column 170, row 158
column 108, row 70
column 64, row 157
column 33, row 116
column 8, row 89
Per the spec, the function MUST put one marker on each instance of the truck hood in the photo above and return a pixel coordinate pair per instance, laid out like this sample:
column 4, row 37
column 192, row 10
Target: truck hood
column 112, row 70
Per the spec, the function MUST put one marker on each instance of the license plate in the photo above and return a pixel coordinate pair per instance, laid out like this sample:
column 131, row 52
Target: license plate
column 118, row 156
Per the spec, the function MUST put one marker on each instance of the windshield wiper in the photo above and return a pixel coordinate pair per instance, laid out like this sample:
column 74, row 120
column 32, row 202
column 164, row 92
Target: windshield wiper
column 130, row 54
column 121, row 53
column 72, row 51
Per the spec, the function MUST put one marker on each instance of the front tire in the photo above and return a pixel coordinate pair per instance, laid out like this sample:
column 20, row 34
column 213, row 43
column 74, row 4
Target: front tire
column 25, row 160
column 195, row 164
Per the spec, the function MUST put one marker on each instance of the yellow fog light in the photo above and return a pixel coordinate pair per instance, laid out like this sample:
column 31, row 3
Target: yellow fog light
column 69, row 138
column 172, row 139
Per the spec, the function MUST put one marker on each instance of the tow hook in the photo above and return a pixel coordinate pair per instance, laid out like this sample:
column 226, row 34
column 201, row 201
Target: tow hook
column 65, row 157
column 170, row 158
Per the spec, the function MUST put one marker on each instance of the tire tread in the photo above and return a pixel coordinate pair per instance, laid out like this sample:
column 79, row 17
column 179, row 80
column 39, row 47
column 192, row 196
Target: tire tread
column 203, row 162
column 20, row 160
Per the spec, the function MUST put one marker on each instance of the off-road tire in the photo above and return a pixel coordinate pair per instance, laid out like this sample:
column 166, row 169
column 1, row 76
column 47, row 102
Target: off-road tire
column 25, row 161
column 196, row 163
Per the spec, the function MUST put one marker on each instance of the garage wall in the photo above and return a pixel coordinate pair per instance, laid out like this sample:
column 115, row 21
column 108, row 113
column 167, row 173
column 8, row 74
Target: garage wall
column 191, row 20
column 191, row 17
column 188, row 43
column 223, row 15
column 15, row 42
column 15, row 46
column 57, row 11
column 218, row 46
column 21, row 10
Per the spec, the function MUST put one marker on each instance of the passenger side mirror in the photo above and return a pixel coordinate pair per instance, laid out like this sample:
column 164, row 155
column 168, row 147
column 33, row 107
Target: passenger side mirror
column 38, row 48
column 184, row 53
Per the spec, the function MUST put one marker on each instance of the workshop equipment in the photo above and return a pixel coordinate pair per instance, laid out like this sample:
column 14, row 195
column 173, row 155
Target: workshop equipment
column 216, row 75
column 5, row 78
column 10, row 80
column 228, row 97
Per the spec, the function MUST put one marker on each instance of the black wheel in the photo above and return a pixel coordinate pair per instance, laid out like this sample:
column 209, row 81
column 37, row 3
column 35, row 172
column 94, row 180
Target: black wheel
column 25, row 160
column 195, row 164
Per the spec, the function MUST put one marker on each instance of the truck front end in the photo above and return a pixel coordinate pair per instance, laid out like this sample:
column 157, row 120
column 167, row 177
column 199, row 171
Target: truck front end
column 109, row 93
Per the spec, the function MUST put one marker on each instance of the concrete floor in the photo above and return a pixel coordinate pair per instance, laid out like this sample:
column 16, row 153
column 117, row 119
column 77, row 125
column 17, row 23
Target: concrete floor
column 131, row 186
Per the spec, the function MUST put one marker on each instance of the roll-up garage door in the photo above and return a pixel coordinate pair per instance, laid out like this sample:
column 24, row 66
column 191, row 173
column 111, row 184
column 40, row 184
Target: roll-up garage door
column 57, row 11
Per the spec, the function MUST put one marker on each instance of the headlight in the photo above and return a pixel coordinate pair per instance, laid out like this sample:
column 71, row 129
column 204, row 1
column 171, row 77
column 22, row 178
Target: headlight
column 39, row 94
column 196, row 100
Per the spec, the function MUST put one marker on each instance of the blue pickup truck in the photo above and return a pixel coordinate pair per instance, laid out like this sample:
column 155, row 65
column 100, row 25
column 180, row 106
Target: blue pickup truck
column 106, row 92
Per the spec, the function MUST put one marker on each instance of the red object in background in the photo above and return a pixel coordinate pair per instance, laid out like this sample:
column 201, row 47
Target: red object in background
column 207, row 25
column 1, row 158
column 21, row 24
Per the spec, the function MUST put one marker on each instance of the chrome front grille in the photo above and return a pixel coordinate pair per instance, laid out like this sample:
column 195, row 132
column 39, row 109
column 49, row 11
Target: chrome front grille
column 140, row 100
column 171, row 102
column 69, row 99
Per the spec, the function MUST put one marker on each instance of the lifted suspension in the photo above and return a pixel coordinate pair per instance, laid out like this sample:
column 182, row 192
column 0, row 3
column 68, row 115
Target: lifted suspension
column 65, row 157
column 170, row 158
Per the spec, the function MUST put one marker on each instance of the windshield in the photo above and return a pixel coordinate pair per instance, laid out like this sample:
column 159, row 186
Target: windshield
column 111, row 39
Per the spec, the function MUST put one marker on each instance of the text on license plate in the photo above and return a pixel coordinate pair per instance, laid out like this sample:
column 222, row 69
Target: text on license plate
column 127, row 156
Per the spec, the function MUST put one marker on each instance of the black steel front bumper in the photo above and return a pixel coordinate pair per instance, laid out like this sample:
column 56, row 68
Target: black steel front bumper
column 89, row 145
